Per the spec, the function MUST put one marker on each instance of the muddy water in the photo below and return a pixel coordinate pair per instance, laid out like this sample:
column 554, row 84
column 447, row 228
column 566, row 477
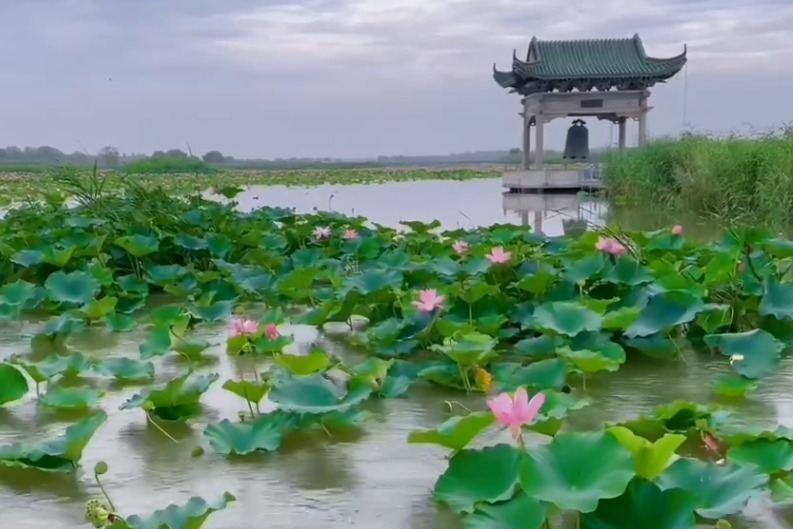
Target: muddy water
column 374, row 479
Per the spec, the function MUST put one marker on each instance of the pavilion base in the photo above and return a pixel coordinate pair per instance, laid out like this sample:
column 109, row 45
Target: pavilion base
column 549, row 180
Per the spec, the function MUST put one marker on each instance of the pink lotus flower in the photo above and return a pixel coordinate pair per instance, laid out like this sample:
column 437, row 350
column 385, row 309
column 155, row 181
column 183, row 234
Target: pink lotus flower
column 514, row 412
column 349, row 235
column 271, row 331
column 497, row 255
column 677, row 229
column 460, row 247
column 610, row 246
column 321, row 232
column 241, row 326
column 712, row 444
column 429, row 300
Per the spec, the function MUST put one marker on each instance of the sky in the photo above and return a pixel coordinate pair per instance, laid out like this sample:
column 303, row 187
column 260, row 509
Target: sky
column 359, row 78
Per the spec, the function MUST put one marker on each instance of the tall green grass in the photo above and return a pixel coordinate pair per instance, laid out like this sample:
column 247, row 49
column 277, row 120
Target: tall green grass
column 734, row 179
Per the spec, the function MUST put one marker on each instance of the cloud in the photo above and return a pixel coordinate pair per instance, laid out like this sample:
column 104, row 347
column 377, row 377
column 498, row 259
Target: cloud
column 355, row 77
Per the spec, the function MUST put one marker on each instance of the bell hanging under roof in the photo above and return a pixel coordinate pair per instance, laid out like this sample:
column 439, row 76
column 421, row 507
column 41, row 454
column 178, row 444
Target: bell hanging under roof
column 577, row 145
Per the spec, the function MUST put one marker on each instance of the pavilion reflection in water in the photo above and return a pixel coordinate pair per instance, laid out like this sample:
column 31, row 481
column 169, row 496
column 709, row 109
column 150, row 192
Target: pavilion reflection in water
column 557, row 214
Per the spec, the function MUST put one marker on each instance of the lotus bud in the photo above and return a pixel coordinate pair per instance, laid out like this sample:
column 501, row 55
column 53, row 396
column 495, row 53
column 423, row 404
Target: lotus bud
column 198, row 451
column 100, row 468
column 723, row 524
column 148, row 406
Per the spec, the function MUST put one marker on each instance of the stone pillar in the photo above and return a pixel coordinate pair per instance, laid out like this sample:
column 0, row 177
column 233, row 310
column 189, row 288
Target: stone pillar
column 539, row 146
column 526, row 144
column 524, row 217
column 622, row 131
column 538, row 222
column 642, row 128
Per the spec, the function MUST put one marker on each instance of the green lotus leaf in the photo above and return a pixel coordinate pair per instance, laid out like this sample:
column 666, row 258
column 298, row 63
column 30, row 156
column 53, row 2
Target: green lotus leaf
column 75, row 287
column 164, row 275
column 715, row 317
column 138, row 245
column 265, row 345
column 48, row 254
column 760, row 351
column 455, row 433
column 721, row 490
column 650, row 459
column 475, row 476
column 128, row 369
column 251, row 391
column 74, row 365
column 373, row 280
column 520, row 512
column 192, row 515
column 664, row 310
column 264, row 433
column 467, row 350
column 540, row 347
column 99, row 308
column 577, row 470
column 777, row 300
column 118, row 322
column 738, row 434
column 13, row 384
column 159, row 342
column 315, row 394
column 772, row 456
column 566, row 317
column 472, row 291
column 782, row 490
column 654, row 346
column 18, row 293
column 174, row 400
column 71, row 398
column 734, row 386
column 374, row 369
column 58, row 454
column 620, row 319
column 218, row 311
column 643, row 504
column 586, row 361
column 627, row 271
column 545, row 374
column 316, row 360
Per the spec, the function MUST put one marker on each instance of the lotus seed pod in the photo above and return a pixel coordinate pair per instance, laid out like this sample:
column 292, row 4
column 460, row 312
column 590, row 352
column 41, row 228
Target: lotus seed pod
column 100, row 468
column 198, row 451
column 723, row 524
column 148, row 405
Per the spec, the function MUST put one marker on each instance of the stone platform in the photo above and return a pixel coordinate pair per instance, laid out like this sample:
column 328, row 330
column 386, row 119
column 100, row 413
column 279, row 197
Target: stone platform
column 550, row 180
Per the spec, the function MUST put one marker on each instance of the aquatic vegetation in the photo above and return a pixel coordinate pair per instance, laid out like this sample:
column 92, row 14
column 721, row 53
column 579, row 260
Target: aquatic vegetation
column 504, row 316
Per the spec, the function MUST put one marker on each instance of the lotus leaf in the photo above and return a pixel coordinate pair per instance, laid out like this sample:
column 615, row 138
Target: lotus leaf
column 59, row 454
column 176, row 399
column 467, row 350
column 128, row 369
column 734, row 386
column 643, row 504
column 316, row 360
column 75, row 287
column 475, row 476
column 455, row 433
column 138, row 245
column 314, row 394
column 13, row 384
column 760, row 351
column 772, row 456
column 263, row 433
column 650, row 459
column 577, row 470
column 721, row 490
column 664, row 310
column 71, row 398
column 251, row 391
column 520, row 512
column 566, row 317
column 192, row 515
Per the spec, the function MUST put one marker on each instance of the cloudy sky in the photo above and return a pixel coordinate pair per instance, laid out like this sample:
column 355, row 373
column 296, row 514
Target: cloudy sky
column 356, row 78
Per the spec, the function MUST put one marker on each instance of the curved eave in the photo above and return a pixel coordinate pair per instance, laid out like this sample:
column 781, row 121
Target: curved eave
column 505, row 79
column 670, row 66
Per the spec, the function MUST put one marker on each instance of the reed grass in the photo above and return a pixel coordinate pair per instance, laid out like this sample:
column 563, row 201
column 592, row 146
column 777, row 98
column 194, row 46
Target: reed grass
column 737, row 180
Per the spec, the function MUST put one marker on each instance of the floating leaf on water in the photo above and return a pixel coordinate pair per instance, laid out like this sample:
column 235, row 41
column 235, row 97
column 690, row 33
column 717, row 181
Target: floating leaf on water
column 315, row 394
column 192, row 515
column 264, row 433
column 177, row 399
column 760, row 353
column 71, row 398
column 13, row 384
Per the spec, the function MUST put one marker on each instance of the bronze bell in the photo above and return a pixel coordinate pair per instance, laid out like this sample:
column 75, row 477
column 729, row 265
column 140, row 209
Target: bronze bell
column 577, row 145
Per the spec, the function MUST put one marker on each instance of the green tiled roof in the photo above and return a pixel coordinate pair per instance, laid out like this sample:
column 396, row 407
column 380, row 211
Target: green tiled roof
column 594, row 60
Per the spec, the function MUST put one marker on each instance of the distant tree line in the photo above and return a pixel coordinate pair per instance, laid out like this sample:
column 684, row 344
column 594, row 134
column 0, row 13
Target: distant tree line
column 177, row 160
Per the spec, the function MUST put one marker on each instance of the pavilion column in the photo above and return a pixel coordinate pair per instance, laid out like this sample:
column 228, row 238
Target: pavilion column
column 524, row 217
column 538, row 222
column 539, row 148
column 643, row 119
column 526, row 145
column 622, row 131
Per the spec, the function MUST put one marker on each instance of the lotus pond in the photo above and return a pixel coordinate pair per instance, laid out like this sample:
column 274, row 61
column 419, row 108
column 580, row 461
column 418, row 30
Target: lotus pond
column 178, row 363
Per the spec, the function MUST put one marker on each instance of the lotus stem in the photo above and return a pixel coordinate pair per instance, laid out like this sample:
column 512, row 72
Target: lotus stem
column 104, row 492
column 166, row 434
column 451, row 403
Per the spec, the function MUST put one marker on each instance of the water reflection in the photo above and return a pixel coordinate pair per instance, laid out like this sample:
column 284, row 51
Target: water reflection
column 557, row 213
column 463, row 204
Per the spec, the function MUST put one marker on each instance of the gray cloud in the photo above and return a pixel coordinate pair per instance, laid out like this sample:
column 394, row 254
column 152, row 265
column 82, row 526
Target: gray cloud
column 355, row 77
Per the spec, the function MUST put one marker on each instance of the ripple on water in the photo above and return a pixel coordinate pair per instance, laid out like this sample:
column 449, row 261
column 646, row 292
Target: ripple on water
column 366, row 480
